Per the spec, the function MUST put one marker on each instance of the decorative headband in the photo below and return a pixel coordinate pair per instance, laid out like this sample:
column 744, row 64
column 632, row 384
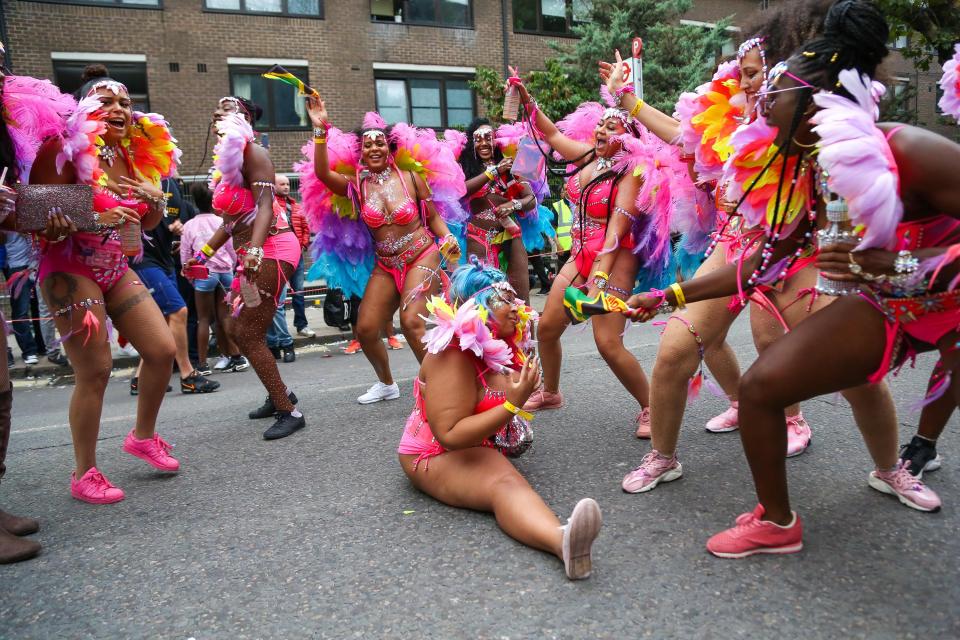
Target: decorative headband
column 502, row 287
column 619, row 114
column 373, row 134
column 484, row 131
column 116, row 88
column 236, row 103
column 754, row 43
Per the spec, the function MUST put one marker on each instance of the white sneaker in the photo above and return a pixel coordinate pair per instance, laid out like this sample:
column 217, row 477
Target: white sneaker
column 379, row 392
column 31, row 359
column 129, row 350
column 222, row 363
column 306, row 332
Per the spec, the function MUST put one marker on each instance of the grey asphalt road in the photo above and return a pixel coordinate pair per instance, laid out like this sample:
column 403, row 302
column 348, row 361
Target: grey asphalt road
column 320, row 535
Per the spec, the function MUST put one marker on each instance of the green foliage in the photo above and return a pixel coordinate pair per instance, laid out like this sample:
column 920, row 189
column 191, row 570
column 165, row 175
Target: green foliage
column 931, row 27
column 900, row 107
column 676, row 57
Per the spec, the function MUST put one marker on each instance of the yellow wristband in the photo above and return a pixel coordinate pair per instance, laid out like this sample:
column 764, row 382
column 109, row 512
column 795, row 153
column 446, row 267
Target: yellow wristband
column 491, row 176
column 509, row 406
column 601, row 274
column 636, row 108
column 678, row 294
column 320, row 140
column 207, row 250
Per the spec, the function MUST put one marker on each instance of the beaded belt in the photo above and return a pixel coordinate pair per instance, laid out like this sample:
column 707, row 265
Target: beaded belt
column 391, row 246
column 903, row 310
column 408, row 255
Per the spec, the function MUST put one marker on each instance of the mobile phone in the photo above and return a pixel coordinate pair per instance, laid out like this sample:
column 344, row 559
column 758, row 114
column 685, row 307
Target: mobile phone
column 196, row 272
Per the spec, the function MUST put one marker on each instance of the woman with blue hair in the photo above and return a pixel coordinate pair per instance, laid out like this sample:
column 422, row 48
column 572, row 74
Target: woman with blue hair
column 467, row 417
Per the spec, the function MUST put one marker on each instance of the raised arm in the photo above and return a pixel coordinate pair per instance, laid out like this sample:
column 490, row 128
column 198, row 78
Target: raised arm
column 321, row 163
column 570, row 149
column 663, row 126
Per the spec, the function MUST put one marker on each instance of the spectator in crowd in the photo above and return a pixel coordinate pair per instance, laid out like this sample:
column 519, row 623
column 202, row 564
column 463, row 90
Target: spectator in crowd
column 298, row 222
column 21, row 260
column 210, row 293
column 393, row 342
column 156, row 271
column 181, row 208
column 279, row 340
column 539, row 268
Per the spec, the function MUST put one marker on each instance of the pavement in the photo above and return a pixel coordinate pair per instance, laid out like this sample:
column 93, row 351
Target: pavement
column 320, row 535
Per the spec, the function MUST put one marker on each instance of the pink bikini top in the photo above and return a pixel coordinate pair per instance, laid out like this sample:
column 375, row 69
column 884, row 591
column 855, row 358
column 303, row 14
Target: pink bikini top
column 598, row 200
column 402, row 215
column 232, row 200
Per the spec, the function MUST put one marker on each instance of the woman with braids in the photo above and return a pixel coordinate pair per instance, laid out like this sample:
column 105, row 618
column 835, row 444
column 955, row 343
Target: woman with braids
column 467, row 418
column 267, row 250
column 894, row 181
column 705, row 121
column 84, row 276
column 495, row 195
column 379, row 199
column 602, row 256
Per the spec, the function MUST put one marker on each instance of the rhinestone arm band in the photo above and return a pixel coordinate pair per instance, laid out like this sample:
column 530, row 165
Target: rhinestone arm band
column 906, row 263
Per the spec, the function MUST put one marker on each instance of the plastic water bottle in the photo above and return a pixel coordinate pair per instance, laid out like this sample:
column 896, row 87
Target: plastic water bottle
column 839, row 229
column 511, row 103
column 249, row 292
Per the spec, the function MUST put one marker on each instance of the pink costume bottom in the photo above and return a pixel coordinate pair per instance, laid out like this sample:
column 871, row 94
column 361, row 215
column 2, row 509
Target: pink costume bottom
column 97, row 258
column 400, row 265
column 585, row 248
column 280, row 246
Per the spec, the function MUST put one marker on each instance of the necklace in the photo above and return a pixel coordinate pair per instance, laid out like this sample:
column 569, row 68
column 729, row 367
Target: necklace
column 604, row 163
column 109, row 154
column 381, row 177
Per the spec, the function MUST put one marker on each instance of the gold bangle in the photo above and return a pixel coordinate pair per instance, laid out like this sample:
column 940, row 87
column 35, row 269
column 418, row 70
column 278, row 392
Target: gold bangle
column 509, row 406
column 491, row 176
column 207, row 250
column 636, row 108
column 678, row 294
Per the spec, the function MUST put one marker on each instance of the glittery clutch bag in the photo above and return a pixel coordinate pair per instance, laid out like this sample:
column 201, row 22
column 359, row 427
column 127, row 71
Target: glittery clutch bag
column 34, row 202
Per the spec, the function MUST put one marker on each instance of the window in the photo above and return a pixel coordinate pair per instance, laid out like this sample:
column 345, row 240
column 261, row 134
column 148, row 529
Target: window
column 296, row 8
column 425, row 101
column 146, row 4
column 282, row 107
column 443, row 13
column 898, row 42
column 67, row 69
column 550, row 17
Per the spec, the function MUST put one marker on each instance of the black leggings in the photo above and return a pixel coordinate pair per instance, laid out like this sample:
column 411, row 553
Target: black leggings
column 251, row 331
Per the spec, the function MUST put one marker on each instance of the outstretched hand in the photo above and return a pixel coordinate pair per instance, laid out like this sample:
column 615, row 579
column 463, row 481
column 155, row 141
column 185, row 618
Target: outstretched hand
column 612, row 73
column 522, row 383
column 515, row 81
column 317, row 111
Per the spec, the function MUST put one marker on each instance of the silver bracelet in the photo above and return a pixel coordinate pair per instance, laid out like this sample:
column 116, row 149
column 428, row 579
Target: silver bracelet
column 906, row 263
column 517, row 205
column 257, row 253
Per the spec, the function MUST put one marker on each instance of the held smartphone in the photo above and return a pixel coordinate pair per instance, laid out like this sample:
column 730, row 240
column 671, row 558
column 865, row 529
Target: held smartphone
column 196, row 272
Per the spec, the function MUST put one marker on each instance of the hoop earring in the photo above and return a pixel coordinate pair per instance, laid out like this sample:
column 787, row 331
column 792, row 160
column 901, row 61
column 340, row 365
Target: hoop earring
column 804, row 146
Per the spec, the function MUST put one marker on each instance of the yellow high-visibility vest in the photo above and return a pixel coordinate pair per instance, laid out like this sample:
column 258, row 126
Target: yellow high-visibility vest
column 564, row 222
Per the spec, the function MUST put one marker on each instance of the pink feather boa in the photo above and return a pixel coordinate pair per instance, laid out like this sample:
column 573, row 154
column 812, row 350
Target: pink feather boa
column 473, row 335
column 79, row 141
column 950, row 83
column 34, row 111
column 234, row 134
column 456, row 141
column 858, row 160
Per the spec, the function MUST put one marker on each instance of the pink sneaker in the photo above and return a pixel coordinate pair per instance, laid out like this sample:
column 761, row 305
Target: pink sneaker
column 581, row 530
column 94, row 488
column 752, row 535
column 908, row 489
column 543, row 399
column 643, row 423
column 798, row 435
column 154, row 450
column 653, row 469
column 727, row 421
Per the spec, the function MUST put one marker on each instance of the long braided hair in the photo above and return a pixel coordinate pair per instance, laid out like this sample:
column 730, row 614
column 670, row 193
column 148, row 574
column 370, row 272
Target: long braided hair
column 854, row 36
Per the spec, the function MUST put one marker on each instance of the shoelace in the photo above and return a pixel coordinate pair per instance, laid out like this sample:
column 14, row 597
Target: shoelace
column 100, row 481
column 796, row 423
column 904, row 480
column 162, row 444
column 647, row 461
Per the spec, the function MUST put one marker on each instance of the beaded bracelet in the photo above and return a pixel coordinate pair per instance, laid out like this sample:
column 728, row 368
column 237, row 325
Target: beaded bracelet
column 200, row 258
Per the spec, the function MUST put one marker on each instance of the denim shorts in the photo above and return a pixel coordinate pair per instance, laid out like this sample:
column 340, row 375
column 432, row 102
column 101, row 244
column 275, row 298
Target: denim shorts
column 223, row 280
column 163, row 286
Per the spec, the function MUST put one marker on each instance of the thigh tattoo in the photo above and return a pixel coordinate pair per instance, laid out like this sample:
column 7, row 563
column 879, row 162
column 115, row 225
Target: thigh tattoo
column 61, row 288
column 129, row 303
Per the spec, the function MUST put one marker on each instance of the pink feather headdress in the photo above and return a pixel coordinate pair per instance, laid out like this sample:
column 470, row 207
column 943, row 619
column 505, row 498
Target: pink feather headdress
column 950, row 83
column 857, row 158
column 234, row 134
column 34, row 110
column 455, row 141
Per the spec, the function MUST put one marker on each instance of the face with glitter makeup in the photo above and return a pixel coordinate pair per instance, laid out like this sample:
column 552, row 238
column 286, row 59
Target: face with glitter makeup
column 483, row 143
column 503, row 313
column 608, row 128
column 116, row 104
column 751, row 77
column 375, row 151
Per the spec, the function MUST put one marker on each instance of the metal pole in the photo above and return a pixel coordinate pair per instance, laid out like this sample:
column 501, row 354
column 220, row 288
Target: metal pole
column 506, row 38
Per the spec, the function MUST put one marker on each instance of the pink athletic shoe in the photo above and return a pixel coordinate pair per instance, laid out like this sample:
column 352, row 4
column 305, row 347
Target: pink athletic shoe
column 543, row 399
column 643, row 423
column 752, row 535
column 155, row 451
column 94, row 488
column 798, row 435
column 727, row 421
column 653, row 469
column 908, row 489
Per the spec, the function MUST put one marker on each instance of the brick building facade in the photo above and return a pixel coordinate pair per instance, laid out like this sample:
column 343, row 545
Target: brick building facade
column 409, row 58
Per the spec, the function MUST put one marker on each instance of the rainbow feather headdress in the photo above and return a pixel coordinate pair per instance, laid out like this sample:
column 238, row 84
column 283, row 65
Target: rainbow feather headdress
column 153, row 149
column 80, row 141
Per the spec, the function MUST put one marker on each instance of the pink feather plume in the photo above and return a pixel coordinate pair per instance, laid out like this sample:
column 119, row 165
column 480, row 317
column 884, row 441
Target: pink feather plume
column 34, row 111
column 78, row 140
column 950, row 83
